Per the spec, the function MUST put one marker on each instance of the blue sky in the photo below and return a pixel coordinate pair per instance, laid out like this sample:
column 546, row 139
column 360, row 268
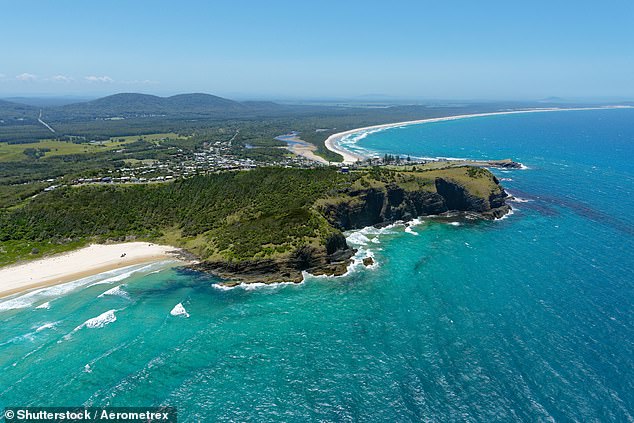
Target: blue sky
column 446, row 49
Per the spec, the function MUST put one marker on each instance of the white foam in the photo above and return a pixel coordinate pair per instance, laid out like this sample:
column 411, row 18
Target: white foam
column 30, row 336
column 346, row 141
column 454, row 223
column 46, row 326
column 96, row 322
column 358, row 238
column 24, row 300
column 45, row 305
column 507, row 215
column 116, row 291
column 257, row 285
column 409, row 230
column 357, row 263
column 179, row 310
column 100, row 321
column 361, row 237
column 519, row 200
column 121, row 276
column 416, row 222
column 28, row 299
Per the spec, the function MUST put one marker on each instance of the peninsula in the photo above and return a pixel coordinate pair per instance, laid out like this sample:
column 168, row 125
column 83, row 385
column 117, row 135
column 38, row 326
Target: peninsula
column 265, row 225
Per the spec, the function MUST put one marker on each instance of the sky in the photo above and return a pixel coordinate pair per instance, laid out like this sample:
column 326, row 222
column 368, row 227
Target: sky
column 449, row 49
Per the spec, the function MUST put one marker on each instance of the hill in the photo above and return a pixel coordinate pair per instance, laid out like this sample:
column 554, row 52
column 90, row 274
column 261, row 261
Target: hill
column 16, row 113
column 266, row 225
column 133, row 105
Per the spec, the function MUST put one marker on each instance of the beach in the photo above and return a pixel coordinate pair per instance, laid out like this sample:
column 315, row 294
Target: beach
column 87, row 261
column 349, row 157
column 299, row 147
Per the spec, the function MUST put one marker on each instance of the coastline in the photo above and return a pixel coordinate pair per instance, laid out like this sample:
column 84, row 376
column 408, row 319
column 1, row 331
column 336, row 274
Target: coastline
column 350, row 157
column 87, row 261
column 302, row 148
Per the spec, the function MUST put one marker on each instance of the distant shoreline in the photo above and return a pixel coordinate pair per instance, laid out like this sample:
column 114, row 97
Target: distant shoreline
column 350, row 157
column 74, row 265
column 302, row 148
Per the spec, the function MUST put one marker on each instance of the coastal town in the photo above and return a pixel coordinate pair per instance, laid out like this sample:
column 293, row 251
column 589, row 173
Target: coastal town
column 218, row 157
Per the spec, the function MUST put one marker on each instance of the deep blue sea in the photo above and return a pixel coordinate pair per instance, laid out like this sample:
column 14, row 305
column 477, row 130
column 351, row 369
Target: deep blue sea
column 529, row 318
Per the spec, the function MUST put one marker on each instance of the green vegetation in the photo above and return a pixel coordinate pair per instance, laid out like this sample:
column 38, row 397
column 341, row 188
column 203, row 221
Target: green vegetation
column 235, row 216
column 231, row 216
column 13, row 251
column 57, row 147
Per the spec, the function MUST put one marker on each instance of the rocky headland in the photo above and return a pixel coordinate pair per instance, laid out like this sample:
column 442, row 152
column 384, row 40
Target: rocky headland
column 374, row 199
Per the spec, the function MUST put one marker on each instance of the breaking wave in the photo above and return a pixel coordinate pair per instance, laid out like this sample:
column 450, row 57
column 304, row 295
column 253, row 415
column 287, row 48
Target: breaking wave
column 116, row 291
column 179, row 310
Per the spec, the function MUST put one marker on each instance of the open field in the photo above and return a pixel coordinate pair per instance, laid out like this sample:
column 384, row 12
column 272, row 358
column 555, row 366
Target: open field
column 52, row 147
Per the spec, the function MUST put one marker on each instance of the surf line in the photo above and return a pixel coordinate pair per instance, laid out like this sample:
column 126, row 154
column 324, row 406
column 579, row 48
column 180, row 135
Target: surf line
column 333, row 142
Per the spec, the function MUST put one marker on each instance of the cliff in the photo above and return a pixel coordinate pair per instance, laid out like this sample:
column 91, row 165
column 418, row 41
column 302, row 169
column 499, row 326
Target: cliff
column 374, row 199
column 423, row 194
column 265, row 225
column 324, row 260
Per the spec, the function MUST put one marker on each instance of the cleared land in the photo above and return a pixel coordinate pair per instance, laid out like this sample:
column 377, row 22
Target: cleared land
column 52, row 147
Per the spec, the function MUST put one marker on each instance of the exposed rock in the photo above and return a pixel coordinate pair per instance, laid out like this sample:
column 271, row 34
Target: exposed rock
column 356, row 209
column 315, row 261
column 458, row 198
column 376, row 207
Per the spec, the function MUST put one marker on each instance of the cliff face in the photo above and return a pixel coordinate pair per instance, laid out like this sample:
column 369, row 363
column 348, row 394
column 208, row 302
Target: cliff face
column 376, row 200
column 375, row 206
column 331, row 259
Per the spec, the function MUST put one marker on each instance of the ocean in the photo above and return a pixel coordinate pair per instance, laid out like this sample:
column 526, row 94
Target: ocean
column 528, row 318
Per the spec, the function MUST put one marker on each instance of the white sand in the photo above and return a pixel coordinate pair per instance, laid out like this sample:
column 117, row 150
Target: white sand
column 305, row 149
column 349, row 157
column 77, row 264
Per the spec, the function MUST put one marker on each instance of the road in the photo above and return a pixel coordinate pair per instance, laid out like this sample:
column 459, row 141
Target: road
column 39, row 119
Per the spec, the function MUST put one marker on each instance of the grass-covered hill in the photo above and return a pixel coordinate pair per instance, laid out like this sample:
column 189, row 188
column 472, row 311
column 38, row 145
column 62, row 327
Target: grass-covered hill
column 288, row 219
column 133, row 104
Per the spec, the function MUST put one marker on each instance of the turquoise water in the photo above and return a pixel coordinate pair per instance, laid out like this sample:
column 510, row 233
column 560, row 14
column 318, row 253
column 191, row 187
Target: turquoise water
column 529, row 318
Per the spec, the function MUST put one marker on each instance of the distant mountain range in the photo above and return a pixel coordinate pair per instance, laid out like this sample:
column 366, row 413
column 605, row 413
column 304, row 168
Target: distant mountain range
column 133, row 105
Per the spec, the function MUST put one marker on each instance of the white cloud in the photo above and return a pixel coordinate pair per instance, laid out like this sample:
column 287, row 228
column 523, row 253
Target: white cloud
column 93, row 78
column 61, row 78
column 26, row 77
column 140, row 82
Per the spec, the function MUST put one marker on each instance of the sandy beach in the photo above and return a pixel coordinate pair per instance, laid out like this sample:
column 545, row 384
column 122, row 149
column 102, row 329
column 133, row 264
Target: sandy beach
column 349, row 157
column 81, row 263
column 298, row 146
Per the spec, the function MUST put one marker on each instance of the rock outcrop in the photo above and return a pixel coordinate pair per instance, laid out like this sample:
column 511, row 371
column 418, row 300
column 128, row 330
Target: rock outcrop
column 378, row 204
column 316, row 261
column 375, row 206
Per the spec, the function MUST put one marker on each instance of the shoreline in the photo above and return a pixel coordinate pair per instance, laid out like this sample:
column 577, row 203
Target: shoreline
column 351, row 157
column 87, row 261
column 302, row 148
